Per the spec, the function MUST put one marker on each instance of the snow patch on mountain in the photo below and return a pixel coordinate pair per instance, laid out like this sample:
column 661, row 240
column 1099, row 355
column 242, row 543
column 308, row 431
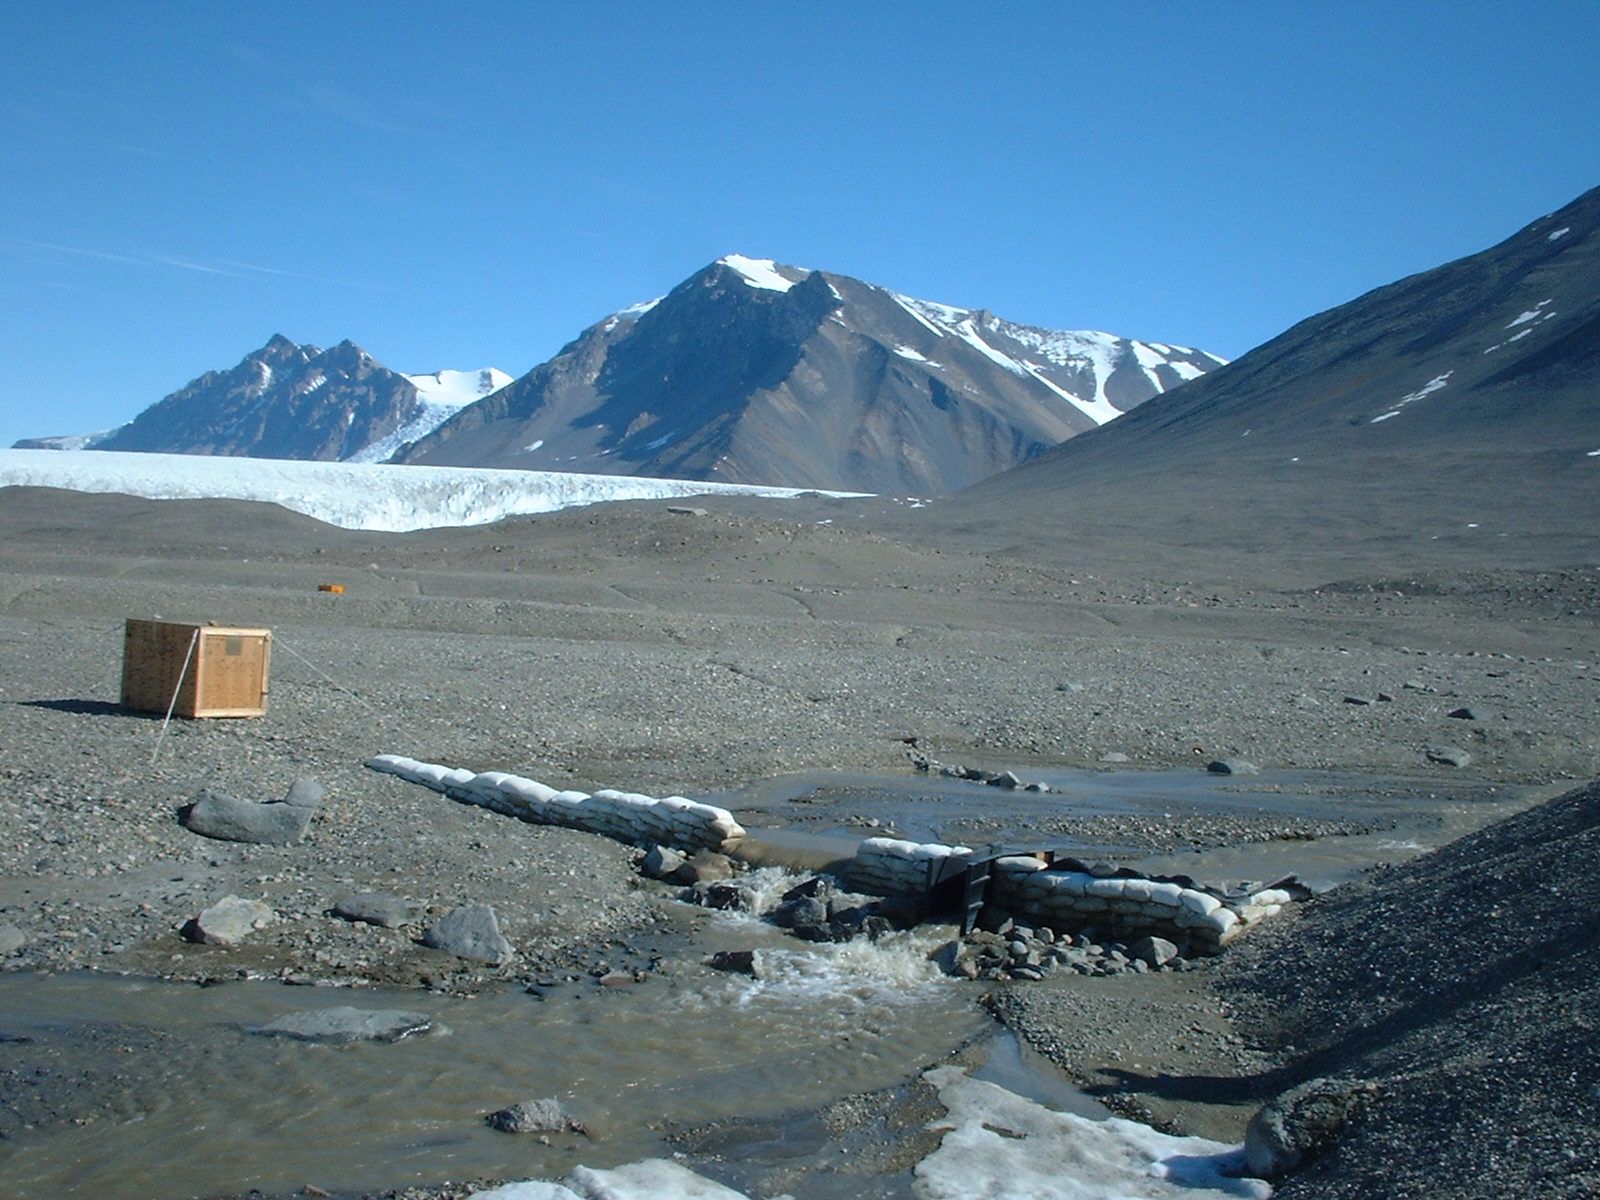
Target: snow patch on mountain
column 351, row 495
column 758, row 272
column 459, row 388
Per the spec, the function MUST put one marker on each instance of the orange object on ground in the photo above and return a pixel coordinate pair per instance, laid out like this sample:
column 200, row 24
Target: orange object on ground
column 336, row 588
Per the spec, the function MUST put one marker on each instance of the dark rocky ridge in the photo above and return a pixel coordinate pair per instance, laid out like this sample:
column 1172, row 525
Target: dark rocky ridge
column 829, row 382
column 1292, row 449
column 281, row 401
column 1466, row 985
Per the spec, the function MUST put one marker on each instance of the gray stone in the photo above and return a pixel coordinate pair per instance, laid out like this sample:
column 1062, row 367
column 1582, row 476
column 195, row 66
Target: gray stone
column 305, row 792
column 1232, row 766
column 729, row 897
column 471, row 931
column 1361, row 700
column 662, row 862
column 1153, row 951
column 1449, row 756
column 1006, row 779
column 1116, row 756
column 229, row 819
column 228, row 922
column 11, row 939
column 740, row 962
column 1301, row 1124
column 705, row 866
column 535, row 1116
column 346, row 1024
column 685, row 510
column 800, row 912
column 378, row 908
column 1462, row 714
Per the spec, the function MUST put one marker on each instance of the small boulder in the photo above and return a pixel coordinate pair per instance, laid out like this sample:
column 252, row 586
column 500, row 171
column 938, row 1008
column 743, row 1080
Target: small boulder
column 471, row 931
column 1462, row 714
column 228, row 922
column 1232, row 766
column 800, row 912
column 347, row 1024
column 728, row 896
column 739, row 962
column 705, row 866
column 378, row 908
column 229, row 819
column 1153, row 952
column 662, row 862
column 1448, row 756
column 11, row 939
column 1301, row 1124
column 548, row 1115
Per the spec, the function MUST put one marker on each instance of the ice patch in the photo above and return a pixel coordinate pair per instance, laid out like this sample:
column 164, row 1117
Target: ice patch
column 459, row 388
column 1003, row 1147
column 1427, row 389
column 1559, row 234
column 1185, row 370
column 1533, row 314
column 1518, row 336
column 908, row 352
column 351, row 495
column 533, row 445
column 758, row 272
column 1593, row 454
column 651, row 1179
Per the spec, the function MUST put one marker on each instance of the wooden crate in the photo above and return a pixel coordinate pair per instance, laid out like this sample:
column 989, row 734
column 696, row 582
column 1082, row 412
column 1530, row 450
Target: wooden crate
column 226, row 676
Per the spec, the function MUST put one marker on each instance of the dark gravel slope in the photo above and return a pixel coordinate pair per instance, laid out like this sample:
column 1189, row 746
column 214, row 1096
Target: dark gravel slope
column 1467, row 984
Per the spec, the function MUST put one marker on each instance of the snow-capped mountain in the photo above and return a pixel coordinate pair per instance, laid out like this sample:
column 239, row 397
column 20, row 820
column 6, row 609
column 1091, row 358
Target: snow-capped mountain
column 297, row 402
column 751, row 371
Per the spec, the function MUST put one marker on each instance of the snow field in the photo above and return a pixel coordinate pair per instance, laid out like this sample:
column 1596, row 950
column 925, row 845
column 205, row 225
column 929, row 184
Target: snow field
column 350, row 495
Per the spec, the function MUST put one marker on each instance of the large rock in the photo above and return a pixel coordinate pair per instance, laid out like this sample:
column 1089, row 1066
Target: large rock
column 1449, row 756
column 704, row 866
column 548, row 1115
column 229, row 819
column 471, row 931
column 1301, row 1124
column 739, row 962
column 1154, row 952
column 378, row 908
column 228, row 922
column 348, row 1024
column 663, row 862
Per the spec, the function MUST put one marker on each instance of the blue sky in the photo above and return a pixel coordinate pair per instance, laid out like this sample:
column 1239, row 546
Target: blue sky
column 180, row 181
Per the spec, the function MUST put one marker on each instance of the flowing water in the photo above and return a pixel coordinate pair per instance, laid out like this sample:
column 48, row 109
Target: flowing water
column 178, row 1097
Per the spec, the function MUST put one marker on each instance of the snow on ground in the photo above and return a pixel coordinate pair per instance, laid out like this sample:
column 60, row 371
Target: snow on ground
column 351, row 495
column 1427, row 389
column 458, row 388
column 1533, row 314
column 441, row 395
column 758, row 272
column 996, row 1145
column 1559, row 234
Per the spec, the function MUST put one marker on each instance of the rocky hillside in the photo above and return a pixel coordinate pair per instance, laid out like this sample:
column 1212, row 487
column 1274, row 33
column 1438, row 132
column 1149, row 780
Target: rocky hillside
column 1466, row 986
column 298, row 402
column 1453, row 413
column 754, row 372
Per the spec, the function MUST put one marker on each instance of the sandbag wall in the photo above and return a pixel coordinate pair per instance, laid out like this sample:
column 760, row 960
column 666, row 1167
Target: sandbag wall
column 891, row 867
column 626, row 816
column 1127, row 904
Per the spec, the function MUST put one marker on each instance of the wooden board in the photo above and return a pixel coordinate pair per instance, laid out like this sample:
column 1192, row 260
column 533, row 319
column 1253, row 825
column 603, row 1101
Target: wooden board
column 216, row 671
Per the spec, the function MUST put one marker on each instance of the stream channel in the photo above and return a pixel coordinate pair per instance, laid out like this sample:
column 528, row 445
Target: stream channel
column 179, row 1097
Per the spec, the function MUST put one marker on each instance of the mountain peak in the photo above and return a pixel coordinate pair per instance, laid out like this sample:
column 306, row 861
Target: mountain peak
column 761, row 273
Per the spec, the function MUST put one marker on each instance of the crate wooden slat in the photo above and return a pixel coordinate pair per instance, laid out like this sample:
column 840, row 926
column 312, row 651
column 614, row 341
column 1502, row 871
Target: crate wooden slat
column 227, row 675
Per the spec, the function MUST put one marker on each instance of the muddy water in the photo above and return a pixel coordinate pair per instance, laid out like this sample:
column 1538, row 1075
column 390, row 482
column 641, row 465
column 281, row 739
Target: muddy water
column 810, row 818
column 163, row 1091
column 219, row 1109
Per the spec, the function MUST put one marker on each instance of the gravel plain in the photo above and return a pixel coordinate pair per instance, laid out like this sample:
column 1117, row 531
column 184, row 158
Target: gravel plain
column 626, row 646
